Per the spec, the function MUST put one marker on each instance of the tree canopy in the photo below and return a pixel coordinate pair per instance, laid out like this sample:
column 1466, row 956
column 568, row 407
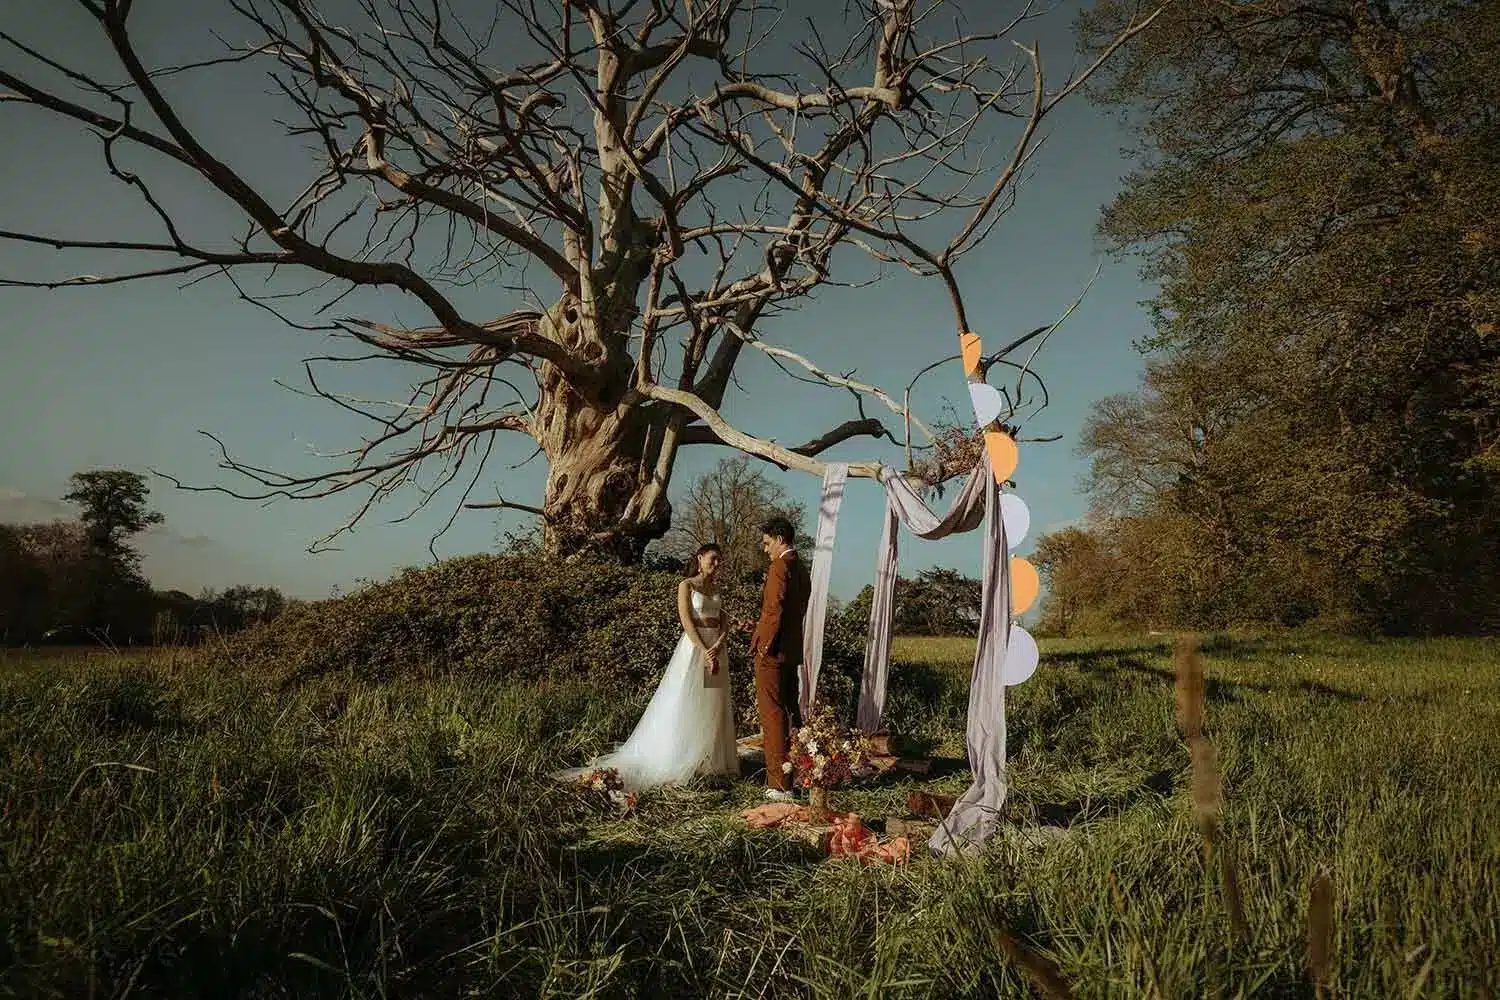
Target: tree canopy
column 1318, row 431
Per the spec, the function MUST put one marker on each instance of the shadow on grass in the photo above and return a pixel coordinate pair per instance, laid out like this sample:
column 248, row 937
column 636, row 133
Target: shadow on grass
column 1154, row 787
column 1107, row 662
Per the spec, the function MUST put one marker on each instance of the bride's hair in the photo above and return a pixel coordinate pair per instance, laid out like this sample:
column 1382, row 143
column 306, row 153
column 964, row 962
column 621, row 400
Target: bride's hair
column 691, row 568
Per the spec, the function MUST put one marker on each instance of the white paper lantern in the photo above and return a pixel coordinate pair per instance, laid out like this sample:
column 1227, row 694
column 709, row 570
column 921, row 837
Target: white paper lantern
column 1017, row 518
column 988, row 403
column 1021, row 657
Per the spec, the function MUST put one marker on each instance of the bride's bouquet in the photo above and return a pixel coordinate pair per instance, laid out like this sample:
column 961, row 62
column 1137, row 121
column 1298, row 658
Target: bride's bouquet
column 606, row 781
column 826, row 755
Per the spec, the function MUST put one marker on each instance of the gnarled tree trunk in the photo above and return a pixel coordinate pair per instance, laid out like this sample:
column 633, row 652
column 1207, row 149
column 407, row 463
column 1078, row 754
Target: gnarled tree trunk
column 609, row 457
column 602, row 498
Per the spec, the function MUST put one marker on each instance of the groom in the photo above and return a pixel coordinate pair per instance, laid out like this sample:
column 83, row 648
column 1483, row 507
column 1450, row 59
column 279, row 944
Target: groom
column 776, row 649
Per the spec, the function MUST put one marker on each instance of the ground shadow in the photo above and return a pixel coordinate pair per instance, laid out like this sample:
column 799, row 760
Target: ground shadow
column 593, row 860
column 1220, row 689
column 1154, row 787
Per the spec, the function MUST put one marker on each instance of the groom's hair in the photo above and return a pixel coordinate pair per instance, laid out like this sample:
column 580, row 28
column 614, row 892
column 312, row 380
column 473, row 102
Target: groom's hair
column 779, row 527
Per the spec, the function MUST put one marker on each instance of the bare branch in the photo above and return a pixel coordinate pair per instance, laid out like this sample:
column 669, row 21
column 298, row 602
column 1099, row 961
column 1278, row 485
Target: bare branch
column 772, row 452
column 849, row 429
column 633, row 195
column 503, row 504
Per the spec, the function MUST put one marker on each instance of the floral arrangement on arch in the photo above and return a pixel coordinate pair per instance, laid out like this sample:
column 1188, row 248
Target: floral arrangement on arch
column 606, row 781
column 825, row 754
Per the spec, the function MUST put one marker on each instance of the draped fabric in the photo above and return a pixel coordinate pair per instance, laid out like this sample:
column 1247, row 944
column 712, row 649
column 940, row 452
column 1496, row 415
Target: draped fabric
column 832, row 498
column 904, row 507
column 975, row 816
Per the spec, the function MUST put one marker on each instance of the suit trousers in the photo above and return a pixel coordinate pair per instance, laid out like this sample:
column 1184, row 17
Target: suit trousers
column 776, row 704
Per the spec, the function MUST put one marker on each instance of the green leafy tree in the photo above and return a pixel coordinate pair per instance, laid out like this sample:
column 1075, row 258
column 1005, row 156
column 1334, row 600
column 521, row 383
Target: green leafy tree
column 113, row 505
column 1317, row 199
column 113, row 510
column 61, row 551
column 938, row 602
column 23, row 589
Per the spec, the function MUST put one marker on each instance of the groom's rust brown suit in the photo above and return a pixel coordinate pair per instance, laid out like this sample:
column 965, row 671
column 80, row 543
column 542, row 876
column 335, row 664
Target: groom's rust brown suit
column 776, row 651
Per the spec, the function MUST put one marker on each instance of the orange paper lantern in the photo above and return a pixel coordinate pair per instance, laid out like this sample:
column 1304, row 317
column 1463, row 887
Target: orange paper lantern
column 970, row 346
column 1004, row 458
column 1025, row 585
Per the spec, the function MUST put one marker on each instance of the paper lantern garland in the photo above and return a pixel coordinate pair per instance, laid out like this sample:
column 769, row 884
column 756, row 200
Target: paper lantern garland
column 1017, row 518
column 1021, row 654
column 988, row 403
column 1021, row 657
column 1004, row 458
column 1025, row 585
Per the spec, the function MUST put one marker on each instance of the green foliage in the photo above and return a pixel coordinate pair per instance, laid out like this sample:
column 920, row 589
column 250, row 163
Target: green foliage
column 53, row 583
column 23, row 588
column 174, row 826
column 182, row 619
column 55, row 590
column 80, row 578
column 113, row 504
column 1317, row 200
column 506, row 616
column 524, row 618
column 938, row 602
column 80, row 582
column 1086, row 584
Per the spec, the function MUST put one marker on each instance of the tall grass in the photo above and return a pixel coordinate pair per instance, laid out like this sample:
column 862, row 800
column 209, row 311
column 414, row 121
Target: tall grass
column 173, row 827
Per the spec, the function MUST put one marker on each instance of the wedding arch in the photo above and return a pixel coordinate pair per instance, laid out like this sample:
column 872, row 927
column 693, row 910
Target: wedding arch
column 1004, row 654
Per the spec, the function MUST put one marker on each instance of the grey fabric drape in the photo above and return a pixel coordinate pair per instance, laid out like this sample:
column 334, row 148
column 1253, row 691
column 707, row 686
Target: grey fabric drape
column 974, row 817
column 904, row 507
column 829, row 502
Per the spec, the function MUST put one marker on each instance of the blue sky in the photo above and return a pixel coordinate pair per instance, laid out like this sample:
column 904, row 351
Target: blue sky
column 126, row 376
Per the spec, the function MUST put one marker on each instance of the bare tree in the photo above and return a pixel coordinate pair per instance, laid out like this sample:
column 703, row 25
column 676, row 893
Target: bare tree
column 646, row 186
column 728, row 505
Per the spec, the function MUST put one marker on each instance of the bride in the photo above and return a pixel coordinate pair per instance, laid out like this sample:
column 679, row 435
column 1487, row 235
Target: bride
column 688, row 726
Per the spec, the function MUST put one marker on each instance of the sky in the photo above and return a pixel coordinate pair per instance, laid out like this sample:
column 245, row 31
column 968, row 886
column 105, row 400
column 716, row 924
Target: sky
column 127, row 376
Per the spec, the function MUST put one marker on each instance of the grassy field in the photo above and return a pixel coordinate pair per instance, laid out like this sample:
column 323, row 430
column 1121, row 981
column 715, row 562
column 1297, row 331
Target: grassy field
column 172, row 828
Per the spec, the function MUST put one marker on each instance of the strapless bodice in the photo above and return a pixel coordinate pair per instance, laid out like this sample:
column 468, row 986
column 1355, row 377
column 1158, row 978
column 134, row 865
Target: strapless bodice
column 705, row 605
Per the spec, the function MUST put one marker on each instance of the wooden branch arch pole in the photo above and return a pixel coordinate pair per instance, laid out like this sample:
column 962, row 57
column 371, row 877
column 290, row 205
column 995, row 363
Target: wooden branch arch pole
column 999, row 445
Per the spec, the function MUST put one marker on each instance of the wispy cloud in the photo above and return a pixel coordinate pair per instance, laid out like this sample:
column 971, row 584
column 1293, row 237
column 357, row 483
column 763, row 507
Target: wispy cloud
column 17, row 507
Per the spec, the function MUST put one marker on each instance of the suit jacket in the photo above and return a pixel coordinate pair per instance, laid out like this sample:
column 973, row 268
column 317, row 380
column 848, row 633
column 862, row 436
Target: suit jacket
column 783, row 603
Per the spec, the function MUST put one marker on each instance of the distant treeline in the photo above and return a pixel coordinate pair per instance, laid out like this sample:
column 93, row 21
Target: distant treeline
column 1316, row 438
column 936, row 602
column 80, row 582
column 54, row 590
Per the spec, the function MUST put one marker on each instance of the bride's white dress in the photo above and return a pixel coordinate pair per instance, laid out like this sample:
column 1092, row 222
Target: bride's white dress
column 688, row 726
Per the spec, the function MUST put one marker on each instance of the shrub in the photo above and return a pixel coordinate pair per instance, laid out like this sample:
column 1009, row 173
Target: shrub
column 523, row 618
column 500, row 615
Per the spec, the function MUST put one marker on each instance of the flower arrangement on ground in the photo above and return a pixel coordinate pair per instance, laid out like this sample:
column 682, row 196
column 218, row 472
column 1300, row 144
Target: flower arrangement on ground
column 606, row 781
column 826, row 755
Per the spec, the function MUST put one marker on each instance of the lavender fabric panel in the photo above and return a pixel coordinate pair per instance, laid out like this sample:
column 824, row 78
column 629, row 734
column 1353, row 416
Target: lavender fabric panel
column 905, row 507
column 832, row 498
column 976, row 815
column 882, row 624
